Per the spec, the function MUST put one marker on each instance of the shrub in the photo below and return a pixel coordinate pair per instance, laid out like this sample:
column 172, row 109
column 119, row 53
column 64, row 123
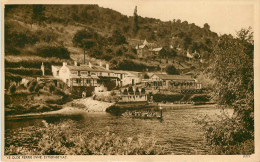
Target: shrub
column 130, row 90
column 113, row 93
column 52, row 51
column 32, row 85
column 37, row 88
column 59, row 91
column 168, row 98
column 12, row 89
column 66, row 139
column 227, row 135
column 200, row 98
column 51, row 88
column 170, row 69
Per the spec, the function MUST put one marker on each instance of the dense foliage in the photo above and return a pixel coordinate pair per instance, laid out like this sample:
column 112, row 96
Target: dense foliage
column 170, row 69
column 116, row 28
column 67, row 139
column 232, row 67
column 52, row 51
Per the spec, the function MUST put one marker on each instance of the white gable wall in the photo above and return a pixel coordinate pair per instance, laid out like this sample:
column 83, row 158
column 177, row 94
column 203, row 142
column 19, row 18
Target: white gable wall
column 64, row 74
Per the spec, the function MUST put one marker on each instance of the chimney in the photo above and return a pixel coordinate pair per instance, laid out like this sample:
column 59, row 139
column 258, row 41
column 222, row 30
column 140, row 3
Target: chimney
column 107, row 66
column 43, row 70
column 100, row 63
column 64, row 63
column 90, row 65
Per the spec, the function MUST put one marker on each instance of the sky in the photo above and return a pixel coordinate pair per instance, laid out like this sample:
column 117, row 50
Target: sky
column 224, row 17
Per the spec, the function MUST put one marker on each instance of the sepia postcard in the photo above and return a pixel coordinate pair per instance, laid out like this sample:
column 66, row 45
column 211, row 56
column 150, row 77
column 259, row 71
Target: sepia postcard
column 130, row 80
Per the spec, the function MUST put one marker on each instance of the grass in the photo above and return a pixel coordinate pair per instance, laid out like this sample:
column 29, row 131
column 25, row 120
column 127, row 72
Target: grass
column 66, row 139
column 23, row 101
column 32, row 61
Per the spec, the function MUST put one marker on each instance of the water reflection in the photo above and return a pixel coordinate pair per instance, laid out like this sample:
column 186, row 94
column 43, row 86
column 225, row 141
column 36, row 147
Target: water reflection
column 177, row 130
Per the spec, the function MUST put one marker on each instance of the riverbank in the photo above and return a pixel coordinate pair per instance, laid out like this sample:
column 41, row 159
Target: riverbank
column 90, row 105
column 74, row 107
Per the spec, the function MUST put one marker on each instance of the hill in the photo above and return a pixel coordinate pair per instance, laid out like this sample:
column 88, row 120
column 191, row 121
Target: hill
column 50, row 30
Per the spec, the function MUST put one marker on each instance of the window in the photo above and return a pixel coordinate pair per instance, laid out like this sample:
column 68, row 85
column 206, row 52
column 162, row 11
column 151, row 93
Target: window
column 78, row 81
column 84, row 73
column 74, row 72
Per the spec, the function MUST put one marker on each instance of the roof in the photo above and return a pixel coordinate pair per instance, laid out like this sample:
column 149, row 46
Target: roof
column 140, row 46
column 145, row 42
column 119, row 71
column 86, row 68
column 157, row 49
column 57, row 67
column 174, row 77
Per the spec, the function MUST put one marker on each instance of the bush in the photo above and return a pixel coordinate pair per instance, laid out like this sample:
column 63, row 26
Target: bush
column 26, row 71
column 37, row 88
column 170, row 69
column 168, row 98
column 12, row 89
column 66, row 139
column 52, row 51
column 59, row 91
column 51, row 88
column 32, row 85
column 200, row 98
column 228, row 135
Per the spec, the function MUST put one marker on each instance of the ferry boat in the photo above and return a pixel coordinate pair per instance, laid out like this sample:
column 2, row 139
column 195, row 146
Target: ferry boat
column 143, row 115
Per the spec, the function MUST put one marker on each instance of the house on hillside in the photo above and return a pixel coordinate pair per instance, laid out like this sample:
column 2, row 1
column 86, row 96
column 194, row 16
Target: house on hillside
column 149, row 44
column 142, row 51
column 173, row 82
column 79, row 78
column 131, row 78
column 159, row 52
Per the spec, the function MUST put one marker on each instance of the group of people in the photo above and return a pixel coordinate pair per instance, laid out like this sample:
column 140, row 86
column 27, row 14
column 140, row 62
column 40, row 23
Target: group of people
column 140, row 114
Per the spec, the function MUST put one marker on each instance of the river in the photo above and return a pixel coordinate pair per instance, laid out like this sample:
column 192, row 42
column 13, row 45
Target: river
column 178, row 130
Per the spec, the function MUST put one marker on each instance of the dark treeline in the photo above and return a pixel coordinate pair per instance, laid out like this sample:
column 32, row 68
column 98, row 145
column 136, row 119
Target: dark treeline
column 114, row 26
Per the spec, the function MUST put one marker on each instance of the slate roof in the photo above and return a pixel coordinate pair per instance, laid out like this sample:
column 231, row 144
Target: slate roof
column 174, row 77
column 86, row 68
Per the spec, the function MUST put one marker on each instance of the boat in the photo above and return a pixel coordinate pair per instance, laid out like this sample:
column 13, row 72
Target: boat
column 142, row 115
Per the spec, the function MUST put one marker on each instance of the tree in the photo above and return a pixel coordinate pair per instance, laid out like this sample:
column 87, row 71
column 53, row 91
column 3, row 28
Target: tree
column 136, row 27
column 38, row 13
column 232, row 68
column 85, row 39
column 206, row 26
column 118, row 38
column 146, row 76
column 130, row 90
column 170, row 69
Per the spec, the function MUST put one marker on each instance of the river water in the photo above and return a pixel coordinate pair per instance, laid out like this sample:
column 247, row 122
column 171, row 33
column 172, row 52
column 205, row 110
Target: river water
column 178, row 130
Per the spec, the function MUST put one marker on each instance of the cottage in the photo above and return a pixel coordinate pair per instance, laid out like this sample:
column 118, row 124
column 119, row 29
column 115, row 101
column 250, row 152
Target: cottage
column 55, row 71
column 87, row 78
column 170, row 82
column 142, row 51
column 159, row 52
column 131, row 78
